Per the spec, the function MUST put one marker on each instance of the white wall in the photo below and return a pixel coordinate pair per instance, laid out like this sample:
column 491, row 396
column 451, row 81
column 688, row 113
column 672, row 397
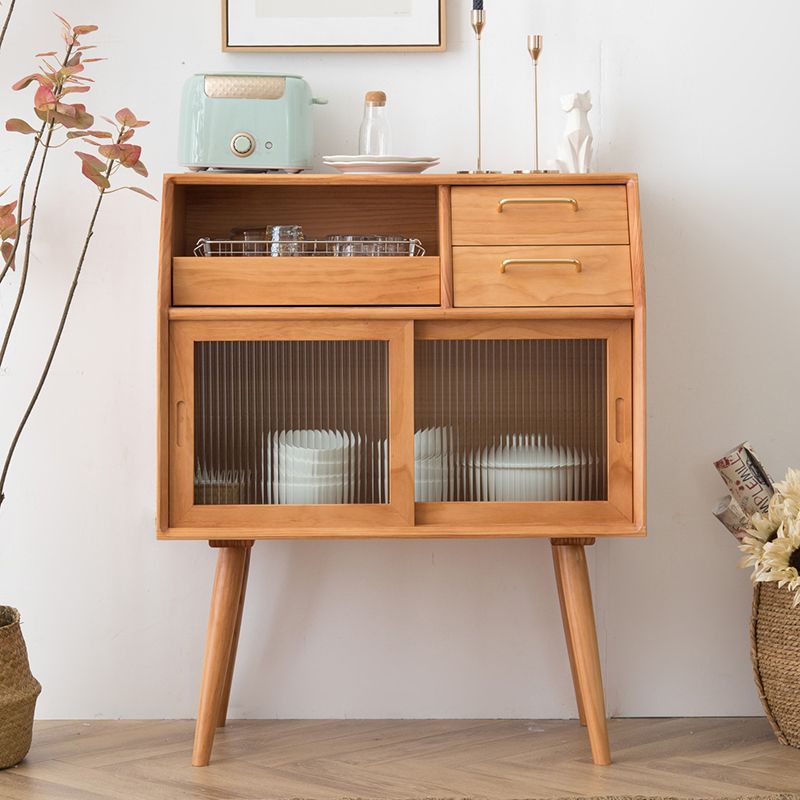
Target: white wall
column 699, row 99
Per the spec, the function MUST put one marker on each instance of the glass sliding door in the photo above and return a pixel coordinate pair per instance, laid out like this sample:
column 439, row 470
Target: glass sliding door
column 509, row 420
column 512, row 418
column 290, row 423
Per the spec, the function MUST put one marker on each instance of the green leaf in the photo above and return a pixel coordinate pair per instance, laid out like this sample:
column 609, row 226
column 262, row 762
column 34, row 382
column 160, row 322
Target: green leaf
column 19, row 126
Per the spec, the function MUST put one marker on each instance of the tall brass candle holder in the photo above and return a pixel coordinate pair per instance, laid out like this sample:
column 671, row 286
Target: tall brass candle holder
column 535, row 43
column 478, row 22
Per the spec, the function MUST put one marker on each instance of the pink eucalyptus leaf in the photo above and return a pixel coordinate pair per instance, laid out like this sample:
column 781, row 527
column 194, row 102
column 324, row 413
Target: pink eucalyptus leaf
column 97, row 178
column 22, row 83
column 92, row 60
column 44, row 97
column 126, row 154
column 140, row 191
column 19, row 126
column 140, row 169
column 45, row 55
column 81, row 134
column 74, row 89
column 6, row 249
column 130, row 154
column 63, row 21
column 93, row 161
column 72, row 69
column 127, row 135
column 82, row 30
column 8, row 227
column 126, row 117
column 8, row 208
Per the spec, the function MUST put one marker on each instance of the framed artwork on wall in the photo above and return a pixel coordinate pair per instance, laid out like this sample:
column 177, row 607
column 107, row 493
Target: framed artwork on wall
column 333, row 25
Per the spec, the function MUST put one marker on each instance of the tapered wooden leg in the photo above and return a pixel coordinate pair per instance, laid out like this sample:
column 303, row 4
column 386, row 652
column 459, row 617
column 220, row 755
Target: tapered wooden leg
column 226, row 691
column 570, row 651
column 569, row 558
column 225, row 598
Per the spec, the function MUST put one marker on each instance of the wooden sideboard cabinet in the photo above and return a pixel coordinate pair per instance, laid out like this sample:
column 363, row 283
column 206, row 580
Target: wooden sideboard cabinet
column 494, row 386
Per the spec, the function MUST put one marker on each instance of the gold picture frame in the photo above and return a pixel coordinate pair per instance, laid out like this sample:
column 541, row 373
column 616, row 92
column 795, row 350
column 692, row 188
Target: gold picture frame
column 439, row 46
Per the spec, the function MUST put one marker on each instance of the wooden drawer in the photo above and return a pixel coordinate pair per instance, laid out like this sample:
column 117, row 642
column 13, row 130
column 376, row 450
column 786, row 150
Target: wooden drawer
column 542, row 276
column 305, row 281
column 540, row 215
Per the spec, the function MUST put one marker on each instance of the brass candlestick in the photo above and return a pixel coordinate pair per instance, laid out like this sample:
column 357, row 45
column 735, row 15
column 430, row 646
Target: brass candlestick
column 535, row 49
column 535, row 44
column 478, row 22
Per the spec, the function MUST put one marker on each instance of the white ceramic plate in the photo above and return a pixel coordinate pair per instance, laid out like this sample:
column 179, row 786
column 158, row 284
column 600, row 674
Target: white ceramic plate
column 406, row 167
column 380, row 159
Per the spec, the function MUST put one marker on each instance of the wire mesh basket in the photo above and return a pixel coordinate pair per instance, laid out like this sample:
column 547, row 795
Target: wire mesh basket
column 336, row 246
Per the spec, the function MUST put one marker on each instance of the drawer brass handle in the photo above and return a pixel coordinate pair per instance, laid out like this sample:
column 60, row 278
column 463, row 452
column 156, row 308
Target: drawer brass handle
column 510, row 262
column 534, row 201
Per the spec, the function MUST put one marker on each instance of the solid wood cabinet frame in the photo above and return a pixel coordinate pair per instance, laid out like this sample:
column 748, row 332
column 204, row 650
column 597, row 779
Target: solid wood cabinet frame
column 554, row 248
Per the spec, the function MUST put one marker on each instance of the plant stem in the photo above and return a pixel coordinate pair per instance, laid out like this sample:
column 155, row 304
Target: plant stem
column 53, row 347
column 21, row 198
column 5, row 24
column 23, row 278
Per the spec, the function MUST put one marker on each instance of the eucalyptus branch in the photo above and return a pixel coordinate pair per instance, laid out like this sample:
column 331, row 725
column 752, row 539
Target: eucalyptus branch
column 21, row 196
column 54, row 346
column 7, row 20
column 23, row 278
column 51, row 124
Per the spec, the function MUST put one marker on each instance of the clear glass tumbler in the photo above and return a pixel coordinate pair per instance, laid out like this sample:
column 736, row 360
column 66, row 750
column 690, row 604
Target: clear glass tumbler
column 286, row 240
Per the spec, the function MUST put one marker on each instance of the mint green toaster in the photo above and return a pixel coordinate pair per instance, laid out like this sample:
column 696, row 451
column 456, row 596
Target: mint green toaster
column 247, row 122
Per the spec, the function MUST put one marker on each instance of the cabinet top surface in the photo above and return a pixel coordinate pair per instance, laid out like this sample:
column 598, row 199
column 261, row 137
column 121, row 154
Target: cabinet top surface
column 387, row 179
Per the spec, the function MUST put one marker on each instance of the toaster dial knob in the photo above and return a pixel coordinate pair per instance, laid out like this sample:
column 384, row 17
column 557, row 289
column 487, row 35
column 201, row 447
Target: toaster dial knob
column 242, row 145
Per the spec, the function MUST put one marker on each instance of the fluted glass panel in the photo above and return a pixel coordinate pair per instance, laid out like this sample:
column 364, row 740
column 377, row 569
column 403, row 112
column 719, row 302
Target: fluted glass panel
column 511, row 420
column 291, row 422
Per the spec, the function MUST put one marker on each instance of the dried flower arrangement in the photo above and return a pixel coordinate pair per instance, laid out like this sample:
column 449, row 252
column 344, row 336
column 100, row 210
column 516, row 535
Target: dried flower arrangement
column 765, row 518
column 771, row 543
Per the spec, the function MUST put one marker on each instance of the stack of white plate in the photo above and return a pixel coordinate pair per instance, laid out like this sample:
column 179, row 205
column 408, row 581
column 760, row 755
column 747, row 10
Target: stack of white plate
column 433, row 465
column 402, row 164
column 311, row 466
column 526, row 468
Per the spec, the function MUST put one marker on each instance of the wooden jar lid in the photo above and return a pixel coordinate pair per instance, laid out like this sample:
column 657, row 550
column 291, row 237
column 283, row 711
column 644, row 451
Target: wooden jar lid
column 376, row 98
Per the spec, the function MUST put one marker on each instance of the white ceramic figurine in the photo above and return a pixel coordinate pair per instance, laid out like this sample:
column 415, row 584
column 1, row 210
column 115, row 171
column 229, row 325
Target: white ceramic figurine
column 575, row 149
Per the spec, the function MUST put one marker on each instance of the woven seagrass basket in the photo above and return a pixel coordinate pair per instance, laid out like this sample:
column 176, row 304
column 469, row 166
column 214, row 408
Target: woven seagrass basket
column 18, row 691
column 775, row 648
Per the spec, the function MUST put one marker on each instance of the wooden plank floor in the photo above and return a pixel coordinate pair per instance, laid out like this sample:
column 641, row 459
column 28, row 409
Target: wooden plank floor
column 394, row 760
